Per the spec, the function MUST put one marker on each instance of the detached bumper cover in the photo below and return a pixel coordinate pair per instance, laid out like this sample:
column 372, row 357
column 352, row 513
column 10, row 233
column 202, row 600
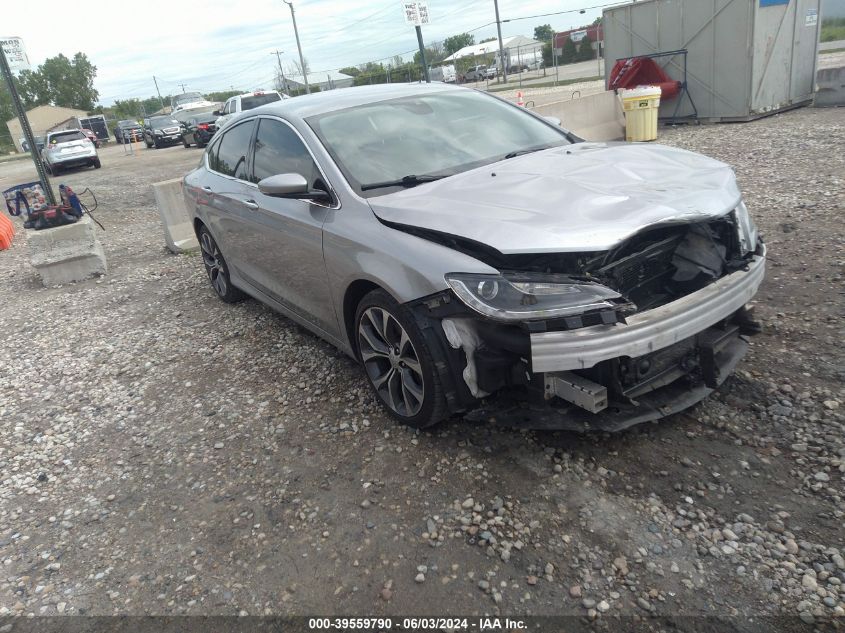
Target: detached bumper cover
column 648, row 331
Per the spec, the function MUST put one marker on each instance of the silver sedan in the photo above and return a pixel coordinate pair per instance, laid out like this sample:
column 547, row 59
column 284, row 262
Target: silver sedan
column 476, row 258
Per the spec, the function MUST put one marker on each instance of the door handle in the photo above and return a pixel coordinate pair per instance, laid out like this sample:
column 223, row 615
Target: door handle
column 207, row 189
column 251, row 204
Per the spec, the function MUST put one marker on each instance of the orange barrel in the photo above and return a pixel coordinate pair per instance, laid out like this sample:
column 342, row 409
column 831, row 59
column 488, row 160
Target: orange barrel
column 7, row 232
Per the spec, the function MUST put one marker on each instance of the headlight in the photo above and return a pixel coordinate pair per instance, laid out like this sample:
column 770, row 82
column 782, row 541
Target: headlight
column 158, row 132
column 747, row 230
column 525, row 297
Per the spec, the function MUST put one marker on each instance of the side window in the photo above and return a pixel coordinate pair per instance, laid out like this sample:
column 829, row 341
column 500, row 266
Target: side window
column 228, row 108
column 232, row 151
column 278, row 150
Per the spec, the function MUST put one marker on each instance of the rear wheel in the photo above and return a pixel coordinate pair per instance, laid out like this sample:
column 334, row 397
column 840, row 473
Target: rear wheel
column 398, row 363
column 218, row 271
column 96, row 163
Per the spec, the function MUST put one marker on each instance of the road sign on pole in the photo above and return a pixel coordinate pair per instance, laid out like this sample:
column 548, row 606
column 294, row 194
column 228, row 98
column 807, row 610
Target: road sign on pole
column 416, row 13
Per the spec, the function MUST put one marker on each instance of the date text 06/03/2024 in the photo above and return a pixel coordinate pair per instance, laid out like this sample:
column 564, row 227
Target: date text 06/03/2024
column 415, row 624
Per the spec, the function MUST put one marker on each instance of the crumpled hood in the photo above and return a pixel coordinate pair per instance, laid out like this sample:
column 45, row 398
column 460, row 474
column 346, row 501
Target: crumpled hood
column 582, row 197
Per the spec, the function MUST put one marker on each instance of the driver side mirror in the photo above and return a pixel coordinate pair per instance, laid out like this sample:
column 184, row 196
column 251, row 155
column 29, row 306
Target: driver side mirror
column 217, row 113
column 291, row 186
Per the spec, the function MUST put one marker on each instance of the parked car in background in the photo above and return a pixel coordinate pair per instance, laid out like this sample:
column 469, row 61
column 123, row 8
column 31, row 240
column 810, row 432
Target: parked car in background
column 578, row 286
column 161, row 131
column 199, row 130
column 91, row 136
column 128, row 130
column 246, row 101
column 66, row 149
column 39, row 144
column 476, row 73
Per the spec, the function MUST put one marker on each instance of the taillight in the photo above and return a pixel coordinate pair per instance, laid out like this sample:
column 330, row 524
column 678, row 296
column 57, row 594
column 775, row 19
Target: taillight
column 202, row 126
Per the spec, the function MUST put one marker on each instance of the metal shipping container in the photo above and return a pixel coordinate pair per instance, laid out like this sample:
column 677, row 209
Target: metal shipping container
column 746, row 58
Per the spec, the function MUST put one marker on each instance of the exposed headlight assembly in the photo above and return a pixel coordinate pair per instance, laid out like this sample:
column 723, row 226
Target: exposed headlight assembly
column 747, row 230
column 523, row 297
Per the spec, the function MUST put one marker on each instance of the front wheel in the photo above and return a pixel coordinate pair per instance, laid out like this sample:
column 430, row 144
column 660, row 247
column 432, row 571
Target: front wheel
column 217, row 269
column 96, row 163
column 398, row 363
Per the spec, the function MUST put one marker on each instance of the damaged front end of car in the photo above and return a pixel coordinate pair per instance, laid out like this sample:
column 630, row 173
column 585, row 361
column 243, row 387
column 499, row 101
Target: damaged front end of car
column 598, row 340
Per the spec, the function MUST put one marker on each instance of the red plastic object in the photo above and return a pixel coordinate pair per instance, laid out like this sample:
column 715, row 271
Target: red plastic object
column 643, row 71
column 7, row 232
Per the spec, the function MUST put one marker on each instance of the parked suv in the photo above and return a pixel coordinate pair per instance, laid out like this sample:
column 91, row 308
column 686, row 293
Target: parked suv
column 246, row 101
column 66, row 149
column 127, row 130
column 476, row 73
column 161, row 131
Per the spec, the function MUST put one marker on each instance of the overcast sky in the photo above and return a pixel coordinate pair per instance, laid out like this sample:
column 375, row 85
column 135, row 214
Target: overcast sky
column 218, row 45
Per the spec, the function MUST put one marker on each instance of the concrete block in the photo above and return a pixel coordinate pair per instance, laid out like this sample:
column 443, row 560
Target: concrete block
column 66, row 253
column 178, row 230
column 596, row 117
column 831, row 87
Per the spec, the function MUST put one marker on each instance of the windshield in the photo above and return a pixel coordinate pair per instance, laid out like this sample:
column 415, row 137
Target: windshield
column 248, row 103
column 188, row 97
column 163, row 121
column 432, row 134
column 65, row 137
column 128, row 124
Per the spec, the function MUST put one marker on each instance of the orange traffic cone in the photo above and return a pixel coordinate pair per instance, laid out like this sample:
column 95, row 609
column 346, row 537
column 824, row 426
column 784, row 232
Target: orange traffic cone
column 519, row 99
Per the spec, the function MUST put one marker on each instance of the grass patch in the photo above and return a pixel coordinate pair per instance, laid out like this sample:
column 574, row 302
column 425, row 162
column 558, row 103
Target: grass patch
column 545, row 84
column 832, row 50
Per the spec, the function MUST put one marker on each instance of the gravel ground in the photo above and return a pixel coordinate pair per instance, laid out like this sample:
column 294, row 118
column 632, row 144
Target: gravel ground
column 165, row 453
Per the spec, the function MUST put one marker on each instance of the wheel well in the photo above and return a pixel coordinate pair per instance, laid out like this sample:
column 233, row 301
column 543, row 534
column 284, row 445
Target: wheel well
column 354, row 293
column 197, row 224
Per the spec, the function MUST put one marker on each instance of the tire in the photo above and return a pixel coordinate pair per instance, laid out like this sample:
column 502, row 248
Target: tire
column 186, row 144
column 148, row 144
column 397, row 362
column 217, row 269
column 97, row 163
column 200, row 145
column 156, row 145
column 55, row 170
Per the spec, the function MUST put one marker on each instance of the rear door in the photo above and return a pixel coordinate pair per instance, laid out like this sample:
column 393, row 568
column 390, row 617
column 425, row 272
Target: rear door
column 226, row 192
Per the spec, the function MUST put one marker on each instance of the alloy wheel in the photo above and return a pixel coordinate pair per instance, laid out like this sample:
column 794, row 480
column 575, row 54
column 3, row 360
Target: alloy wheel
column 391, row 361
column 213, row 263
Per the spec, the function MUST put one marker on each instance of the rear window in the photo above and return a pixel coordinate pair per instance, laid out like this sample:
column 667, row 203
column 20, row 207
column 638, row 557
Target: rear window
column 66, row 137
column 128, row 123
column 248, row 103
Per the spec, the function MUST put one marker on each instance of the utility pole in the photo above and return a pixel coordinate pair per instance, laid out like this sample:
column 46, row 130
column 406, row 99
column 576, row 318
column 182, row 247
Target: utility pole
column 284, row 81
column 299, row 48
column 422, row 54
column 183, row 88
column 501, row 46
column 159, row 92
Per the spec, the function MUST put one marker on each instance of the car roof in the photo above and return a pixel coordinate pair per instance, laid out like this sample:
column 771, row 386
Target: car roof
column 331, row 100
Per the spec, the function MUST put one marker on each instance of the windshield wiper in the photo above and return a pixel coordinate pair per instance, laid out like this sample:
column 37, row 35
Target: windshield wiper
column 405, row 181
column 520, row 152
